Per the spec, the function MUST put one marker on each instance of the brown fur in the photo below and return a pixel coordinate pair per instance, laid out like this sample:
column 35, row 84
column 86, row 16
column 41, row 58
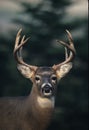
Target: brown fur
column 23, row 114
column 35, row 111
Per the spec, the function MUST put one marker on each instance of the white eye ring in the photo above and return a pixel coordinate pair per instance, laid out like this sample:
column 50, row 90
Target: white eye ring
column 37, row 79
column 54, row 78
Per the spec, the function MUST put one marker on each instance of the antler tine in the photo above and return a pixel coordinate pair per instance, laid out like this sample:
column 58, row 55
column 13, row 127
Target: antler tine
column 68, row 57
column 66, row 54
column 18, row 48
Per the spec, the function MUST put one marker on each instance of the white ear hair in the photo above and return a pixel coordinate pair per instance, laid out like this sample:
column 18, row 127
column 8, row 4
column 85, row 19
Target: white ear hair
column 63, row 70
column 25, row 71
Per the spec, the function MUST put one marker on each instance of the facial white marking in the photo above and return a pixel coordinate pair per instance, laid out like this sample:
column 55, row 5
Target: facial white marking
column 54, row 78
column 37, row 78
column 46, row 102
column 50, row 91
column 46, row 84
column 48, row 94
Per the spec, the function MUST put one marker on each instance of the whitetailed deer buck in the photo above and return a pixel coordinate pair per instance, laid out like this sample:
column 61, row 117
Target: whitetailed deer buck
column 34, row 111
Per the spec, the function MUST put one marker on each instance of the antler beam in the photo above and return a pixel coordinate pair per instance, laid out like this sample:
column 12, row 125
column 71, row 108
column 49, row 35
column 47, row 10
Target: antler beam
column 18, row 49
column 68, row 56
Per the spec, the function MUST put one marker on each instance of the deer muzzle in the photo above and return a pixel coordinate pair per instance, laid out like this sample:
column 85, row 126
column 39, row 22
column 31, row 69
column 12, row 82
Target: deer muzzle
column 47, row 89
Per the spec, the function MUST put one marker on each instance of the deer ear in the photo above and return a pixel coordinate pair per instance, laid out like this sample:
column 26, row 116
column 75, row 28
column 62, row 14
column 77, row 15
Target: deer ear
column 26, row 71
column 63, row 70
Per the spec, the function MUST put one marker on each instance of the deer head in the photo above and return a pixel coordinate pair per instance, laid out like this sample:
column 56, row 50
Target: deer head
column 44, row 78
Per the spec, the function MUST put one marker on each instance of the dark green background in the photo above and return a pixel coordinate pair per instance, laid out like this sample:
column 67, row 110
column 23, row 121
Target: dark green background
column 45, row 26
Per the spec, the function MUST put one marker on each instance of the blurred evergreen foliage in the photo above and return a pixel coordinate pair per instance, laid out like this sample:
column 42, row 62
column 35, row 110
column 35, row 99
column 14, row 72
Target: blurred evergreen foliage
column 43, row 22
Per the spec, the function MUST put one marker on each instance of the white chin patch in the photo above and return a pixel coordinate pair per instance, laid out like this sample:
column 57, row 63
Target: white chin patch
column 48, row 94
column 46, row 102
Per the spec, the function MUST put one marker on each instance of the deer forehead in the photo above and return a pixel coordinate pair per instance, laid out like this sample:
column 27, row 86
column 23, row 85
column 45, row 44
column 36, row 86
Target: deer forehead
column 45, row 71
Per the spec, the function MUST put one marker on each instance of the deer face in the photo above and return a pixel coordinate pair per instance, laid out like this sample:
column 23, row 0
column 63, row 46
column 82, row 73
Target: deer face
column 45, row 78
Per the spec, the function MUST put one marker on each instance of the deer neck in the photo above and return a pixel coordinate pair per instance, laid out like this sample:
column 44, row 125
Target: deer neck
column 41, row 109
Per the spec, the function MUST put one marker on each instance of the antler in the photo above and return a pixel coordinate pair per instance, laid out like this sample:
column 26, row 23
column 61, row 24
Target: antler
column 18, row 49
column 68, row 47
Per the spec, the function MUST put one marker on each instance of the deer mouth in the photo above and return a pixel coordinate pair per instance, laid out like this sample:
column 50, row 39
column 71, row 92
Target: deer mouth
column 47, row 90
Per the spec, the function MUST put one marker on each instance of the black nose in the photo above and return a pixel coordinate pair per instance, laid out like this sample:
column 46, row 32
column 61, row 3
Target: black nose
column 47, row 88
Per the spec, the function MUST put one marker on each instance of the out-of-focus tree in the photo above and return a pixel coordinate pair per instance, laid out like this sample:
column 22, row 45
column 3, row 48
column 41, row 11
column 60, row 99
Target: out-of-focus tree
column 45, row 22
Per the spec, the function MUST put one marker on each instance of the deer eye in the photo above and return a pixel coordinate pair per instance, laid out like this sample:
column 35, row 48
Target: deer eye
column 37, row 78
column 54, row 78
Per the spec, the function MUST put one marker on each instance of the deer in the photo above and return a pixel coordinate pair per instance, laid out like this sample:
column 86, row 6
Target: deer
column 34, row 111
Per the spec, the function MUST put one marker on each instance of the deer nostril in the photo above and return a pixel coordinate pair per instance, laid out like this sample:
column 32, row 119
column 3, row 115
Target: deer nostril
column 47, row 89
